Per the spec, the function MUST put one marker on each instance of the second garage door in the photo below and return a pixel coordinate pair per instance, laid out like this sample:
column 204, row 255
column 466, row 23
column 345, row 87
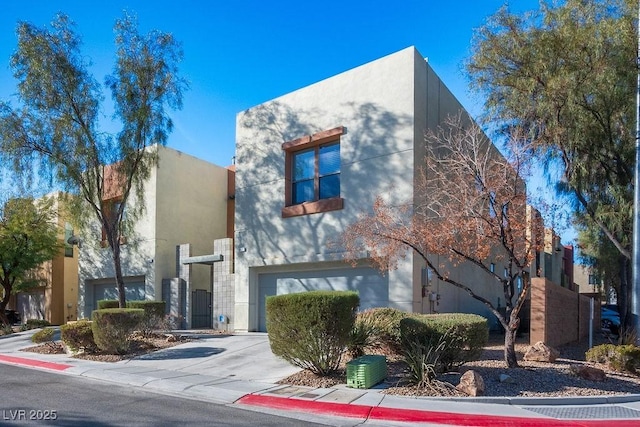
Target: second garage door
column 372, row 287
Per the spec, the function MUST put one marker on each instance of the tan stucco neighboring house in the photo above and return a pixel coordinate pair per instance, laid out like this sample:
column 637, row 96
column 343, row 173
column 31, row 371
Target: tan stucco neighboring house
column 55, row 297
column 186, row 201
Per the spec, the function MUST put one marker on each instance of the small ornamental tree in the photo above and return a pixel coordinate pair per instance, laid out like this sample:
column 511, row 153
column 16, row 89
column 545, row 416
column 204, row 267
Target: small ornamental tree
column 469, row 207
column 28, row 237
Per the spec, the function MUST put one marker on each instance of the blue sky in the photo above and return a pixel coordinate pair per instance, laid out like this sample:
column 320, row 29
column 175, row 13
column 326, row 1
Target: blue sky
column 240, row 54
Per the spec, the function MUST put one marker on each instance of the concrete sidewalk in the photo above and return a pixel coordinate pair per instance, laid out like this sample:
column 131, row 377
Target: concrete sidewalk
column 241, row 370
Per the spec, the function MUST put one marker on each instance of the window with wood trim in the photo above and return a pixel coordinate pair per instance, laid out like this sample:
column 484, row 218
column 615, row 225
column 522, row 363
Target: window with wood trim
column 111, row 207
column 313, row 173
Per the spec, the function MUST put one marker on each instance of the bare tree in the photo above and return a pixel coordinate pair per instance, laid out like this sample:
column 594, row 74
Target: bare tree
column 469, row 207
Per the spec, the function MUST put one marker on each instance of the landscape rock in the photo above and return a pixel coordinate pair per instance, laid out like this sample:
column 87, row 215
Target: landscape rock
column 504, row 378
column 588, row 372
column 540, row 352
column 471, row 383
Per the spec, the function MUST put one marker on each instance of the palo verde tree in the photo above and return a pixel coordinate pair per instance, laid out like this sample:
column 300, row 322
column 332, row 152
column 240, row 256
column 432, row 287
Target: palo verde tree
column 470, row 209
column 28, row 237
column 56, row 128
column 566, row 76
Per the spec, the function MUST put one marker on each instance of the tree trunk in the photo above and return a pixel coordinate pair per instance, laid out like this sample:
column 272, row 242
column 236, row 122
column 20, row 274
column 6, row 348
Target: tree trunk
column 510, row 346
column 8, row 288
column 624, row 296
column 115, row 249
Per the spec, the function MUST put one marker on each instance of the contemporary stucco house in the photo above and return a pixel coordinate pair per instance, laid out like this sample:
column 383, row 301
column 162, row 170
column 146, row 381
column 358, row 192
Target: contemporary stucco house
column 186, row 202
column 308, row 162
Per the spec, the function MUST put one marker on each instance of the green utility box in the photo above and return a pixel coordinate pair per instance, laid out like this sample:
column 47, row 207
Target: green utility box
column 366, row 371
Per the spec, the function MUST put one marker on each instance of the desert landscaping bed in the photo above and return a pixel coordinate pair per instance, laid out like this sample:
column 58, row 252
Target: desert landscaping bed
column 531, row 379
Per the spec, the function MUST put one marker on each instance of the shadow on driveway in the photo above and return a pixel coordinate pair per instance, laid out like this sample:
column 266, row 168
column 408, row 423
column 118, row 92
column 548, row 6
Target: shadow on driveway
column 181, row 353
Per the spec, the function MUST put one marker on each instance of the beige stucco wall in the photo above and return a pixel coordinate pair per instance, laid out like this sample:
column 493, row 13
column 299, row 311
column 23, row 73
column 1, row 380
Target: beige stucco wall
column 190, row 207
column 386, row 106
column 185, row 202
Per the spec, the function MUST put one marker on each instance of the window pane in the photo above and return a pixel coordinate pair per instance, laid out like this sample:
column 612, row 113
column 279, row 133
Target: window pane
column 303, row 191
column 330, row 186
column 304, row 165
column 329, row 159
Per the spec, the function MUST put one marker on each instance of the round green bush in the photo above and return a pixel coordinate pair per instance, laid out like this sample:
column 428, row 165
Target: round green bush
column 78, row 336
column 112, row 326
column 42, row 336
column 464, row 335
column 619, row 357
column 311, row 329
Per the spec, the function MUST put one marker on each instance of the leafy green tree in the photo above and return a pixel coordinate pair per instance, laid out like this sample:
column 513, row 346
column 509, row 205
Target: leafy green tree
column 28, row 237
column 56, row 130
column 566, row 76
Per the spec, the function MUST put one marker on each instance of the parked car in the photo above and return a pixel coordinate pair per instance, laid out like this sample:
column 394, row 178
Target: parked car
column 13, row 316
column 610, row 320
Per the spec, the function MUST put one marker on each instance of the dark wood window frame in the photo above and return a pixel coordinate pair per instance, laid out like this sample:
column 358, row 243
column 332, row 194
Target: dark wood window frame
column 305, row 143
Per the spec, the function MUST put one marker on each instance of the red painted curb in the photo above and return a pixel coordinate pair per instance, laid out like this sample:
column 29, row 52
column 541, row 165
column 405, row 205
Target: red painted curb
column 35, row 363
column 293, row 404
column 416, row 415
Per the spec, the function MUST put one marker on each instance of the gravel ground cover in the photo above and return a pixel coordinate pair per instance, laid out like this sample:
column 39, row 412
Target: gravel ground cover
column 531, row 379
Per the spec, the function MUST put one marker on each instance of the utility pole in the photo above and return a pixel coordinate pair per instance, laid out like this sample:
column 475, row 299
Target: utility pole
column 635, row 293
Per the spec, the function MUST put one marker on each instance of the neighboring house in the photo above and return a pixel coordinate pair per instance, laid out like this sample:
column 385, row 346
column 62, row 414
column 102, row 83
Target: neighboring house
column 55, row 296
column 555, row 262
column 310, row 161
column 186, row 201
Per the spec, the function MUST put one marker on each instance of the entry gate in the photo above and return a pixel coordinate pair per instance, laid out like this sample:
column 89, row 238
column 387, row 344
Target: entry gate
column 201, row 312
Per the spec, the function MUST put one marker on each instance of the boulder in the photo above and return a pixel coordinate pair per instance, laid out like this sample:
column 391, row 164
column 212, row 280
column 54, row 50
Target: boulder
column 588, row 372
column 471, row 383
column 504, row 378
column 540, row 352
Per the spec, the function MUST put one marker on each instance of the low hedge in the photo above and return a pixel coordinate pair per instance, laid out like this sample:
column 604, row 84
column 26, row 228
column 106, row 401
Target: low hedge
column 619, row 357
column 108, row 303
column 151, row 308
column 35, row 324
column 464, row 335
column 112, row 326
column 78, row 336
column 311, row 329
column 43, row 336
column 386, row 323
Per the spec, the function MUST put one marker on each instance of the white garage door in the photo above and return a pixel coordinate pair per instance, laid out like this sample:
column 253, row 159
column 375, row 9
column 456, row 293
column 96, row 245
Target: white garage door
column 372, row 287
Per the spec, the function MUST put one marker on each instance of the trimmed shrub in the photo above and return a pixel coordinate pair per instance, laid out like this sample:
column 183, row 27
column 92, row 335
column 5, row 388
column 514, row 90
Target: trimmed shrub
column 311, row 329
column 43, row 336
column 385, row 321
column 112, row 326
column 151, row 308
column 34, row 324
column 619, row 357
column 464, row 335
column 154, row 317
column 78, row 336
column 108, row 303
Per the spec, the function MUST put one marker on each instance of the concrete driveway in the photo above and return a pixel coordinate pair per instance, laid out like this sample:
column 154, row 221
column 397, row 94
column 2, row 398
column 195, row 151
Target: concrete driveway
column 243, row 356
